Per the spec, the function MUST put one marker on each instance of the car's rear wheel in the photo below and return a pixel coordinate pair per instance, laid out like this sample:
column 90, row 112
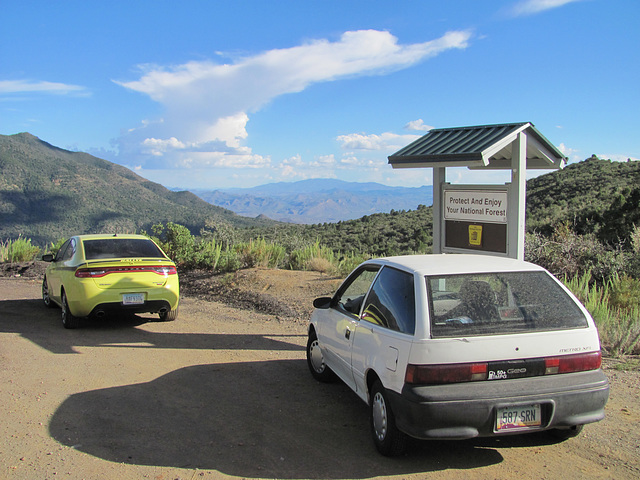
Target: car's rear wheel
column 387, row 438
column 168, row 316
column 315, row 360
column 566, row 433
column 46, row 298
column 68, row 319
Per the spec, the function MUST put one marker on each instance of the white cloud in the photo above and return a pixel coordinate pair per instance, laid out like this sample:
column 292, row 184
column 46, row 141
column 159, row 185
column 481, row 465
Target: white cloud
column 206, row 102
column 531, row 7
column 418, row 126
column 385, row 141
column 27, row 86
column 571, row 153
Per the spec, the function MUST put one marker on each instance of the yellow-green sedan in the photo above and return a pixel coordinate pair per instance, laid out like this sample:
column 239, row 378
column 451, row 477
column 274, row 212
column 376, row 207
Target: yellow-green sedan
column 93, row 275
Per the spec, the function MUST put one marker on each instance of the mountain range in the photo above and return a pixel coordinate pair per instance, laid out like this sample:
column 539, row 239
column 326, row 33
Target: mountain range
column 318, row 200
column 47, row 193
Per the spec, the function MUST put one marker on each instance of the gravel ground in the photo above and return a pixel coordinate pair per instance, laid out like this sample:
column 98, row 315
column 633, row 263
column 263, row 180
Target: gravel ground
column 224, row 392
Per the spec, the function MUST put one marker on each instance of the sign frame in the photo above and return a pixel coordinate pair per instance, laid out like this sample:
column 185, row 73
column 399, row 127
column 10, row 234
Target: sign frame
column 475, row 218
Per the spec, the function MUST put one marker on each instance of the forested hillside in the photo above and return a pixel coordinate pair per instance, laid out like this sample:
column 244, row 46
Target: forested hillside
column 594, row 196
column 47, row 192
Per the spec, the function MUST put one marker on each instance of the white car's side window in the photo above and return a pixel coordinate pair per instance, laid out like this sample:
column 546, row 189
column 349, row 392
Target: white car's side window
column 350, row 298
column 391, row 302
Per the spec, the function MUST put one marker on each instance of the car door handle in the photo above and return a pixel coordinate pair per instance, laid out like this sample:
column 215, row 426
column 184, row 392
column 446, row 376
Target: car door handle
column 347, row 334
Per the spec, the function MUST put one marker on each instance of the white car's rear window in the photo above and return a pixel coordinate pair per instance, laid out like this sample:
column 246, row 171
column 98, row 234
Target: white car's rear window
column 121, row 248
column 500, row 303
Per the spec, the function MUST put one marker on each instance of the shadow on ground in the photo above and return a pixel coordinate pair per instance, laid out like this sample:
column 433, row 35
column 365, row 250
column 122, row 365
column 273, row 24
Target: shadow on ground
column 42, row 326
column 253, row 419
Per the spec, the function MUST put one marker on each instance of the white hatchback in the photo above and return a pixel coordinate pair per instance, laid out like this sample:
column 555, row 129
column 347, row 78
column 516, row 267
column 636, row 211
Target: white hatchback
column 459, row 346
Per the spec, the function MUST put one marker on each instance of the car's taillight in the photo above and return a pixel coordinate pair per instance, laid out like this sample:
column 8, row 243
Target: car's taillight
column 97, row 272
column 471, row 372
column 453, row 373
column 581, row 362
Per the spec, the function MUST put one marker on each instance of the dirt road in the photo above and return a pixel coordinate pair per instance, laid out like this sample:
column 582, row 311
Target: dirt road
column 225, row 392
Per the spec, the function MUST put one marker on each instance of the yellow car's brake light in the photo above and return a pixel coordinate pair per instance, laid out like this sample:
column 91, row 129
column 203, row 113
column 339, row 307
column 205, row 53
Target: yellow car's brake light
column 98, row 272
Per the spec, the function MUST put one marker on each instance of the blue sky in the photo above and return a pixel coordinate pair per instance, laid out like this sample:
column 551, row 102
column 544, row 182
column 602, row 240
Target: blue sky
column 213, row 94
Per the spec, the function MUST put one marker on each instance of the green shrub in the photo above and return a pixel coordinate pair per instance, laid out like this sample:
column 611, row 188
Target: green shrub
column 567, row 254
column 302, row 258
column 208, row 254
column 613, row 309
column 177, row 242
column 229, row 261
column 259, row 253
column 18, row 250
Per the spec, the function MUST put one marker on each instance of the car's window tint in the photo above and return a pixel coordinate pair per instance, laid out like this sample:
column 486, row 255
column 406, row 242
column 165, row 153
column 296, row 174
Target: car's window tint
column 487, row 304
column 69, row 250
column 351, row 295
column 121, row 248
column 60, row 253
column 391, row 302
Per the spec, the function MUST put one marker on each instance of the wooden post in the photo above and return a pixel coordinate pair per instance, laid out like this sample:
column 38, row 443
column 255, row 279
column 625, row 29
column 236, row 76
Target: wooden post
column 517, row 198
column 439, row 178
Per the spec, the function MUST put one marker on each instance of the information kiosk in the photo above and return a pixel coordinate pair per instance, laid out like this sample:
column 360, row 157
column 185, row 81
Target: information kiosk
column 486, row 219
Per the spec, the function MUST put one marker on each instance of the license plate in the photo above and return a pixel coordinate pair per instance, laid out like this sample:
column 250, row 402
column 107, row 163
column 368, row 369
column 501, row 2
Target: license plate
column 522, row 417
column 132, row 298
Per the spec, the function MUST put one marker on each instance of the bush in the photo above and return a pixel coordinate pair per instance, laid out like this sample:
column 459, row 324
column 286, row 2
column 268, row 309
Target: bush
column 567, row 254
column 614, row 308
column 19, row 250
column 303, row 258
column 208, row 254
column 259, row 253
column 177, row 242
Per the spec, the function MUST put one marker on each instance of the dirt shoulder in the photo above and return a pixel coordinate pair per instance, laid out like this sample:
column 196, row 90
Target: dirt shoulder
column 224, row 392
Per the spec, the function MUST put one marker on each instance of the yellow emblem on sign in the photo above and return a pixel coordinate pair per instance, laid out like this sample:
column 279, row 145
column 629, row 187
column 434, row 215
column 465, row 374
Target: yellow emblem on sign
column 475, row 235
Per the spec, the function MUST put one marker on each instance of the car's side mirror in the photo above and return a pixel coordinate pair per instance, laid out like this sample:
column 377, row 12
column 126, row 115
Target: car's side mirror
column 47, row 257
column 322, row 302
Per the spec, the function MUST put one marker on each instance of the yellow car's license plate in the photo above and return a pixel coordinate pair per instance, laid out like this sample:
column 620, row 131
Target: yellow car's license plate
column 132, row 298
column 522, row 417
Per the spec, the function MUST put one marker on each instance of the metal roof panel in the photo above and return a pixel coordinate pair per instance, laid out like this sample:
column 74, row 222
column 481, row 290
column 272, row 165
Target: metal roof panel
column 476, row 145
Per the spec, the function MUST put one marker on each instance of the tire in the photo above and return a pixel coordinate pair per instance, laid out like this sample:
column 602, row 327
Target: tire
column 68, row 319
column 315, row 360
column 565, row 433
column 389, row 441
column 46, row 298
column 169, row 316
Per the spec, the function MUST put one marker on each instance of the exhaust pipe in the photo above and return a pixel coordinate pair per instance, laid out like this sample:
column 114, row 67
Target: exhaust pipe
column 163, row 310
column 100, row 313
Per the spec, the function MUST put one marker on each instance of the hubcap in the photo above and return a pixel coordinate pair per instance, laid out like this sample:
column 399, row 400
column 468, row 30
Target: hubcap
column 379, row 409
column 45, row 292
column 315, row 354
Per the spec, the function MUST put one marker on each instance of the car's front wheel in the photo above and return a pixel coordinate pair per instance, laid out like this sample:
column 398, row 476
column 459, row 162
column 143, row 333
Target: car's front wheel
column 68, row 319
column 315, row 360
column 387, row 438
column 46, row 298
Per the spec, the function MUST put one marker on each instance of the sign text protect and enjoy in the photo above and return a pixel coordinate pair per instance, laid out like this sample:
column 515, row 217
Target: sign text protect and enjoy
column 475, row 206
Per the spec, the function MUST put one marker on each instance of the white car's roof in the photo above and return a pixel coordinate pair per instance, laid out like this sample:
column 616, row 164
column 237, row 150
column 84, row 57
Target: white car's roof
column 446, row 264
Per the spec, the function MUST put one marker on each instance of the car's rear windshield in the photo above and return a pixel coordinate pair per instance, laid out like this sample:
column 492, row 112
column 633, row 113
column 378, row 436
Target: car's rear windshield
column 500, row 303
column 121, row 248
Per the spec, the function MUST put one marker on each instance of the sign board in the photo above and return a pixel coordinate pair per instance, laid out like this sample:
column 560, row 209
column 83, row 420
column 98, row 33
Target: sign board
column 482, row 206
column 475, row 218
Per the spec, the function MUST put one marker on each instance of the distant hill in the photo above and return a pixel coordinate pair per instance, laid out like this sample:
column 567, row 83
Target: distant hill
column 594, row 196
column 47, row 193
column 318, row 201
